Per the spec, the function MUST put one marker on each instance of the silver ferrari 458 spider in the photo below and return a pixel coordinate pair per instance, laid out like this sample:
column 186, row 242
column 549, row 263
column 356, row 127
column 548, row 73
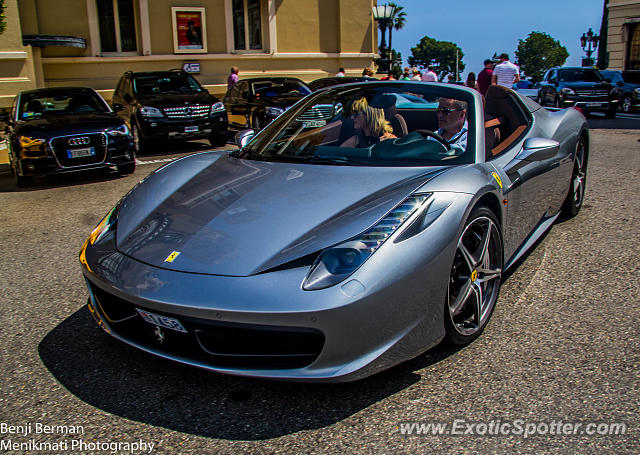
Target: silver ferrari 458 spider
column 360, row 228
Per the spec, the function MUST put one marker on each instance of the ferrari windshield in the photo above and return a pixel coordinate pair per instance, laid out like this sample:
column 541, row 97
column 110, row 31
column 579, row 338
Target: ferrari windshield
column 164, row 83
column 373, row 124
column 39, row 104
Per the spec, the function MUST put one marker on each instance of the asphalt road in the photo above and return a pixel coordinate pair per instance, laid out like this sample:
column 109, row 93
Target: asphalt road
column 563, row 345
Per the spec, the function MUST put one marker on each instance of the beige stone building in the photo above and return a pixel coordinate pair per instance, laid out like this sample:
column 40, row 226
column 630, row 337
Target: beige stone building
column 623, row 34
column 302, row 38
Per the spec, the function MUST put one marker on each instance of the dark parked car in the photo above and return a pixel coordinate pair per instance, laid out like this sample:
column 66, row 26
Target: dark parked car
column 66, row 129
column 627, row 85
column 331, row 81
column 584, row 88
column 162, row 105
column 253, row 103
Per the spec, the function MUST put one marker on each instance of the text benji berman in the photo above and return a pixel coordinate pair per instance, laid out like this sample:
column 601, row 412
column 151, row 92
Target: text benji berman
column 40, row 428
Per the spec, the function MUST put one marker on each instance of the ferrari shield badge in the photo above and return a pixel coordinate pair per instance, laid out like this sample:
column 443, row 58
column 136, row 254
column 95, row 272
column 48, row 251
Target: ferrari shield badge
column 172, row 257
column 497, row 177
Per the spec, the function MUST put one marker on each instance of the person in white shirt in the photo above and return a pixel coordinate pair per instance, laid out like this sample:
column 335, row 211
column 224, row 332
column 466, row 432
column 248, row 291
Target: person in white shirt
column 429, row 75
column 505, row 73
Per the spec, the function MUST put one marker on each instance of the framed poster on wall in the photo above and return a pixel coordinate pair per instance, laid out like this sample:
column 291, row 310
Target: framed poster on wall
column 189, row 30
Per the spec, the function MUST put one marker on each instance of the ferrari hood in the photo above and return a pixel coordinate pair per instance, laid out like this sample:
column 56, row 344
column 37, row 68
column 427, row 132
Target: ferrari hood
column 216, row 214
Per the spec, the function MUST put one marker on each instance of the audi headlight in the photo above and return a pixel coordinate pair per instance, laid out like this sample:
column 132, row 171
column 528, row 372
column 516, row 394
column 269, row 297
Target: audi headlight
column 29, row 142
column 120, row 131
column 636, row 91
column 338, row 262
column 613, row 91
column 217, row 108
column 274, row 111
column 148, row 111
column 568, row 91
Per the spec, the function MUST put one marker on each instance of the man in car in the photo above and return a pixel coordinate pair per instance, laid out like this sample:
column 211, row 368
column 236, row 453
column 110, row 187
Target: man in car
column 452, row 123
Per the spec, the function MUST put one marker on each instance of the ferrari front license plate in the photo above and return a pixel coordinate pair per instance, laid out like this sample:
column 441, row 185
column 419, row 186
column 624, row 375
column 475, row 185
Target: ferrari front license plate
column 79, row 153
column 594, row 104
column 190, row 129
column 162, row 321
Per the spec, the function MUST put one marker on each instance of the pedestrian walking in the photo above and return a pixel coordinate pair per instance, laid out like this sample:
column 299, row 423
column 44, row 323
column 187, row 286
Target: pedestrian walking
column 429, row 75
column 471, row 80
column 233, row 77
column 505, row 73
column 484, row 77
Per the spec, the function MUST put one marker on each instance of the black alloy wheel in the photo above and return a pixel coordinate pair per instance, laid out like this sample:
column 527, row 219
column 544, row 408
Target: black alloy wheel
column 626, row 105
column 218, row 140
column 138, row 142
column 557, row 102
column 475, row 278
column 256, row 123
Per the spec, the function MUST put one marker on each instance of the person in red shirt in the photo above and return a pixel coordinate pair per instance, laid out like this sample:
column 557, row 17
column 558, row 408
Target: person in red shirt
column 484, row 77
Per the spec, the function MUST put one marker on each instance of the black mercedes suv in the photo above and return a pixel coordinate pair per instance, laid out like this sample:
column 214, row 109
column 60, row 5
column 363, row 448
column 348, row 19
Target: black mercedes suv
column 162, row 105
column 584, row 88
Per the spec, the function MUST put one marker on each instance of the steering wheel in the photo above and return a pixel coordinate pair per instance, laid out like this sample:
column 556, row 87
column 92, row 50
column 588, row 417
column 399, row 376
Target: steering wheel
column 437, row 137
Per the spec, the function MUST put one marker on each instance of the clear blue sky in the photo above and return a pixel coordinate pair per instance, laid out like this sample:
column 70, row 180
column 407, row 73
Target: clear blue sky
column 481, row 28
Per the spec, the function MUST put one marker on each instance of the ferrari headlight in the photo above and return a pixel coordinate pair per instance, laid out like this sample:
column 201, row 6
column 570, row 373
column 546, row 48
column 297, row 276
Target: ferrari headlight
column 120, row 131
column 568, row 91
column 28, row 142
column 274, row 111
column 108, row 223
column 337, row 263
column 217, row 108
column 148, row 111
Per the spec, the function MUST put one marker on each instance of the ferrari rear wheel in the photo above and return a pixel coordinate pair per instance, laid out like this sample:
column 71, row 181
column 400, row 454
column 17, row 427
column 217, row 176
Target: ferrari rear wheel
column 475, row 278
column 574, row 199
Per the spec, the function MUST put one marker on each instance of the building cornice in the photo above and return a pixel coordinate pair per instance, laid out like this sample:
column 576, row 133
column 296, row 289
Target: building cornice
column 182, row 57
column 13, row 55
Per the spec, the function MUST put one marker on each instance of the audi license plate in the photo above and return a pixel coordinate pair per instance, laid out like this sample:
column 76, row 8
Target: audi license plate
column 79, row 153
column 594, row 104
column 162, row 321
column 190, row 129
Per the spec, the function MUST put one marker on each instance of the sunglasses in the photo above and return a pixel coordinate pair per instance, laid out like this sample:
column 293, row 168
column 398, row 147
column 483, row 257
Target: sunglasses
column 446, row 110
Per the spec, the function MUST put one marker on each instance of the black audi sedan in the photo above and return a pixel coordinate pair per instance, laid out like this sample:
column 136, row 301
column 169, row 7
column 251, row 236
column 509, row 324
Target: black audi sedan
column 253, row 103
column 66, row 129
column 161, row 105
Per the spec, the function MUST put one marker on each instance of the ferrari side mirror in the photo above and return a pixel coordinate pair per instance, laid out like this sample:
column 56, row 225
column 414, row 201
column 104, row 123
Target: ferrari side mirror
column 243, row 137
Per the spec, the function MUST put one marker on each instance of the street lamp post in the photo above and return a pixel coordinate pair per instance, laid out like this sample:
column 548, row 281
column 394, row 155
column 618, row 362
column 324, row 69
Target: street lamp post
column 383, row 14
column 589, row 43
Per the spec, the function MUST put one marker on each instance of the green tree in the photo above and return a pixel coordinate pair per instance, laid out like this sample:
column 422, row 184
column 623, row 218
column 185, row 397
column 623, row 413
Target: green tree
column 538, row 53
column 441, row 54
column 398, row 19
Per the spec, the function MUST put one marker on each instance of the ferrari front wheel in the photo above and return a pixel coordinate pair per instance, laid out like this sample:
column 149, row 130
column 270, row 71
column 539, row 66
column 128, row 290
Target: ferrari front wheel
column 475, row 278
